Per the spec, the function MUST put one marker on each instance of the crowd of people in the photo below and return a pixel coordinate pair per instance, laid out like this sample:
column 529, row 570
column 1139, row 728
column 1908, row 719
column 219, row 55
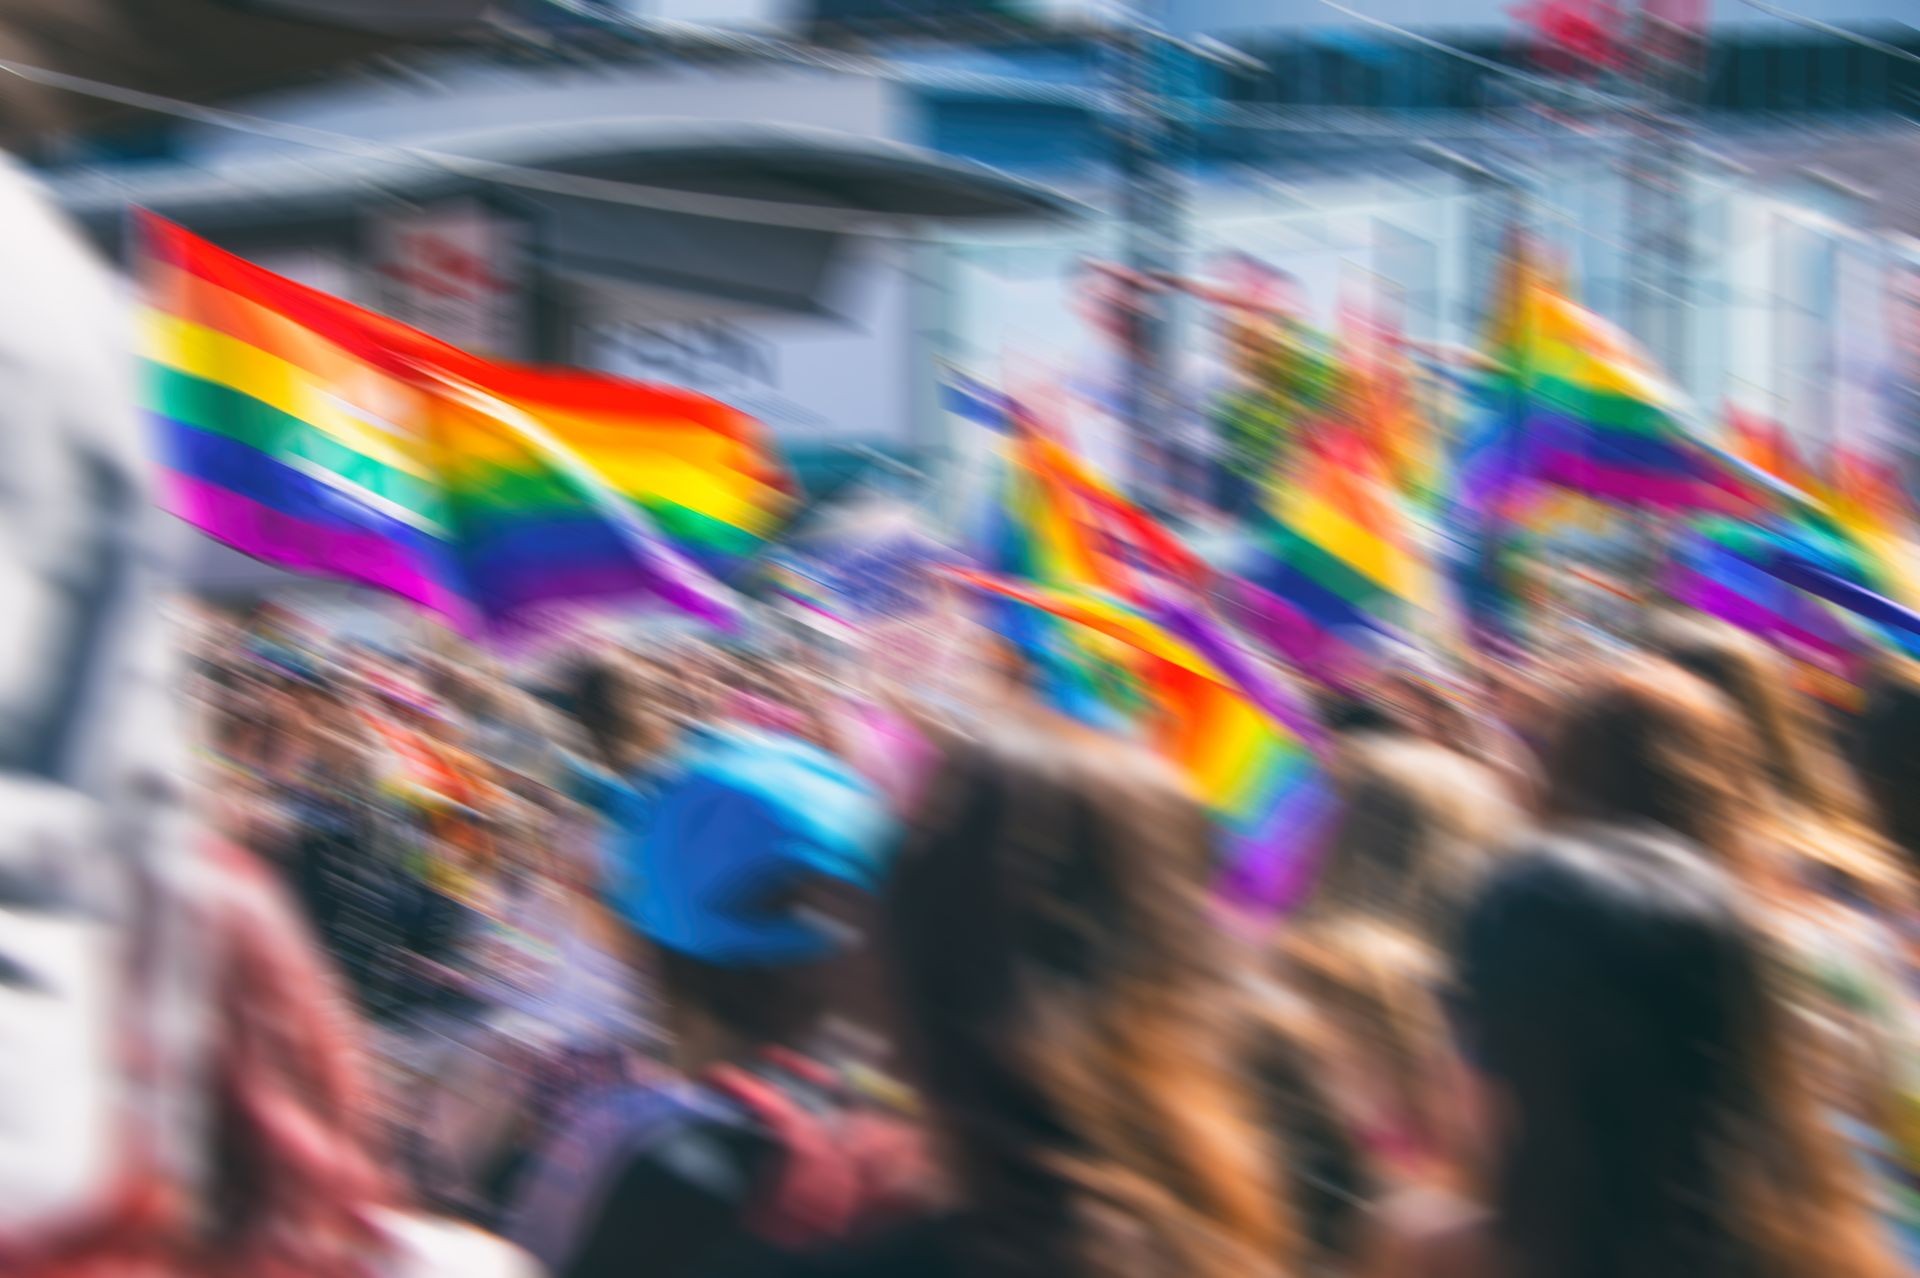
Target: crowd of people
column 696, row 961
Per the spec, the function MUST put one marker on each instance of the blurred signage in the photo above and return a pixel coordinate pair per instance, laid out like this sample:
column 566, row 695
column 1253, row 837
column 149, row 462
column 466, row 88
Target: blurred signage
column 322, row 269
column 710, row 355
column 454, row 270
column 714, row 357
column 813, row 379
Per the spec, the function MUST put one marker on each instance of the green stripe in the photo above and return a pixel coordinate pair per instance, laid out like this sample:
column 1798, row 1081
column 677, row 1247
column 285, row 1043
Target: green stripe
column 1604, row 408
column 483, row 489
column 486, row 487
column 1325, row 568
column 222, row 410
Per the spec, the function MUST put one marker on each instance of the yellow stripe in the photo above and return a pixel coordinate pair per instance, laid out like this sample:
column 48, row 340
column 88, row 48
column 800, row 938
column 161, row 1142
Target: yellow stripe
column 1318, row 520
column 202, row 352
column 702, row 470
column 1232, row 736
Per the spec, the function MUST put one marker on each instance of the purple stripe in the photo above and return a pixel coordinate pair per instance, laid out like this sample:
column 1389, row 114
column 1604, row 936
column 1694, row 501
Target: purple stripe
column 513, row 586
column 1317, row 651
column 1275, row 872
column 1217, row 647
column 1810, row 577
column 1719, row 600
column 306, row 546
column 1623, row 484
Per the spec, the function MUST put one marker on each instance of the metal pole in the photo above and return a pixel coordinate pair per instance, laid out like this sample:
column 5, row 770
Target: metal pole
column 1153, row 228
column 1661, row 230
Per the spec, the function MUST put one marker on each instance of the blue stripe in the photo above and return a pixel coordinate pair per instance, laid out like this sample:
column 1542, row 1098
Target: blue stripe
column 247, row 472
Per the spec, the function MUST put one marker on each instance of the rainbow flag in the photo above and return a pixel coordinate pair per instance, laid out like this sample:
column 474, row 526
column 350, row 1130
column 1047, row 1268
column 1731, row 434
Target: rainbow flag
column 1388, row 394
column 1573, row 406
column 1249, row 749
column 1843, row 536
column 1581, row 407
column 1723, row 567
column 1054, row 521
column 1765, row 444
column 1336, row 556
column 314, row 434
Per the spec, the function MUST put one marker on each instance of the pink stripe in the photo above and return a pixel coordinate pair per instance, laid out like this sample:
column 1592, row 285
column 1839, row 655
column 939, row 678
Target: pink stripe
column 302, row 546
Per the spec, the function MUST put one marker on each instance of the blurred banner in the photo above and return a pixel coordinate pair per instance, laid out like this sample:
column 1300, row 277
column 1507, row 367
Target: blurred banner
column 455, row 270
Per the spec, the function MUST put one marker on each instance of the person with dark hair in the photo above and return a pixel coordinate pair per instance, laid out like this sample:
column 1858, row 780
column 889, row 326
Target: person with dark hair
column 1888, row 750
column 1646, row 1116
column 631, row 753
column 1641, row 741
column 1078, row 1039
column 757, row 861
column 1645, row 742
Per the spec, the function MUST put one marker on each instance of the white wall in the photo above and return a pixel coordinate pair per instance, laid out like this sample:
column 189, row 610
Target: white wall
column 817, row 381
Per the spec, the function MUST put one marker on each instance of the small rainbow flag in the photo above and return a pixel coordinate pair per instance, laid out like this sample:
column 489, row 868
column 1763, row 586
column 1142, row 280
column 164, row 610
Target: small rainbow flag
column 1056, row 522
column 1572, row 406
column 314, row 434
column 1247, row 746
column 1337, row 556
column 1721, row 567
column 1579, row 406
column 1844, row 536
column 1390, row 398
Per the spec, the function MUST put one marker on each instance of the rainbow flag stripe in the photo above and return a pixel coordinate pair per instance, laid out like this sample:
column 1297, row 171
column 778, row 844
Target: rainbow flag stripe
column 1582, row 408
column 1056, row 522
column 1248, row 749
column 1720, row 567
column 1336, row 556
column 325, row 438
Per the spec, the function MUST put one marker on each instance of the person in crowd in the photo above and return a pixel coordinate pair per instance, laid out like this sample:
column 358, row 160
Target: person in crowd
column 758, row 859
column 1419, row 826
column 1638, row 740
column 1643, row 1111
column 1381, row 1045
column 1643, row 741
column 1078, row 1037
column 1418, row 821
column 1887, row 752
column 1804, row 768
column 1330, row 1171
column 632, row 751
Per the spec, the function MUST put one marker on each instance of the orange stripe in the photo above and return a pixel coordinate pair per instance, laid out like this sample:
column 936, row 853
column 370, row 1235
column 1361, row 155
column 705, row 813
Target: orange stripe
column 397, row 348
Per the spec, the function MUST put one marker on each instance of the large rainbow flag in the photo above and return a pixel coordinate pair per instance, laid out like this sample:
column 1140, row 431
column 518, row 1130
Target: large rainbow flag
column 1580, row 407
column 1249, row 749
column 314, row 434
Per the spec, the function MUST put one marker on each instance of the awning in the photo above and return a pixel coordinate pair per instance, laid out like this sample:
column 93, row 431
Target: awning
column 751, row 174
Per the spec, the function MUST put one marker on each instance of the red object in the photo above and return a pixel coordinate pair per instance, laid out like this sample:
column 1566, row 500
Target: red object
column 832, row 1181
column 1575, row 37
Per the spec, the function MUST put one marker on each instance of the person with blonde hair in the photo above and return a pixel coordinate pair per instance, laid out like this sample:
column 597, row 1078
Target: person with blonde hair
column 1418, row 823
column 1074, row 1026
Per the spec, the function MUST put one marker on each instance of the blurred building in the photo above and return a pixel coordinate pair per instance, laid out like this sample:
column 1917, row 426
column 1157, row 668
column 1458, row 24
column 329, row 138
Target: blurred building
column 800, row 218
